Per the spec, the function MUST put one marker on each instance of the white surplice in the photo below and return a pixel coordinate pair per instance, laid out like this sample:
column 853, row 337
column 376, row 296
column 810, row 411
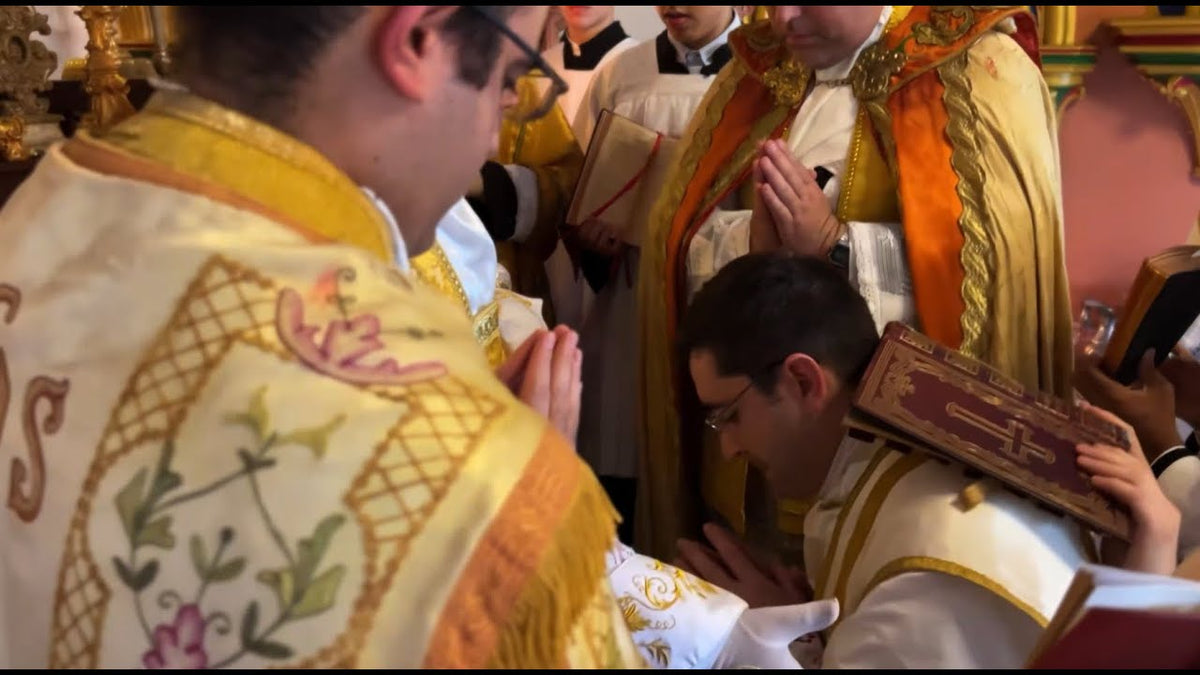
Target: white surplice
column 924, row 583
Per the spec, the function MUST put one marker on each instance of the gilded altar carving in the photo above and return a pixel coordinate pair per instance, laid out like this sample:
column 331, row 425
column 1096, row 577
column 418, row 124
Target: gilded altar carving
column 25, row 68
column 103, row 82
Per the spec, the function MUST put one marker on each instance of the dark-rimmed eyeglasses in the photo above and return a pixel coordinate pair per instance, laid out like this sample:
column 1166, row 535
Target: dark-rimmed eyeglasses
column 718, row 418
column 548, row 96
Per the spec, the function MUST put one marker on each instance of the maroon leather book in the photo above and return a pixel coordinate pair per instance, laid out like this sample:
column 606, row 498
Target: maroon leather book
column 923, row 395
column 1126, row 639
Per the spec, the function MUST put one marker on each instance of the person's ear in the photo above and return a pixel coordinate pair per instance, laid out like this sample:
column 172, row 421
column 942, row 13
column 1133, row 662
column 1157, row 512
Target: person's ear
column 805, row 380
column 407, row 46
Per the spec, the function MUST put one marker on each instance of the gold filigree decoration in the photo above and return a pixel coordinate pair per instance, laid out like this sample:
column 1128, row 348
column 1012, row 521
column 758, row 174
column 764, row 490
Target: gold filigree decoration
column 12, row 134
column 103, row 81
column 25, row 63
column 435, row 270
column 25, row 68
column 977, row 256
column 946, row 24
column 658, row 650
column 962, row 363
column 787, row 82
column 871, row 76
column 1183, row 92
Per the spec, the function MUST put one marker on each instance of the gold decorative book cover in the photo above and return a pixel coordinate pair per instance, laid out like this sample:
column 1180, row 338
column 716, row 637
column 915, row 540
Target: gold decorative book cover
column 925, row 396
column 623, row 172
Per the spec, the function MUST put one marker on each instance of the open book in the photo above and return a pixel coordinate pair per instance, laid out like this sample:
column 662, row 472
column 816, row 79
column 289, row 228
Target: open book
column 623, row 173
column 1114, row 618
column 919, row 395
column 1162, row 303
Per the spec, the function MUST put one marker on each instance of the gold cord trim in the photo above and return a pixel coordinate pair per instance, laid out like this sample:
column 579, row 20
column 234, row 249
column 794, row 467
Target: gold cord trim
column 926, row 564
column 978, row 259
column 822, row 582
column 866, row 517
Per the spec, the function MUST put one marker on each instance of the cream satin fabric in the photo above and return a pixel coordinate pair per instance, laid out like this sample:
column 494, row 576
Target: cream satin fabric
column 888, row 527
column 277, row 362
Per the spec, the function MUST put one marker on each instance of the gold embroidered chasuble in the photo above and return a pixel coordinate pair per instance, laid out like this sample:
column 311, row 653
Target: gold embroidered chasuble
column 249, row 441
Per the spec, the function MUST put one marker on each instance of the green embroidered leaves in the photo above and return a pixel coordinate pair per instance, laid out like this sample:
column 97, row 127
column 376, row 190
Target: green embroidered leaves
column 215, row 569
column 298, row 593
column 146, row 505
column 260, row 645
column 316, row 438
column 256, row 418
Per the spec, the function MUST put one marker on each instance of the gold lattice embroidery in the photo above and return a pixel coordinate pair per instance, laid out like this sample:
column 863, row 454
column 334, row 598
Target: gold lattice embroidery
column 438, row 426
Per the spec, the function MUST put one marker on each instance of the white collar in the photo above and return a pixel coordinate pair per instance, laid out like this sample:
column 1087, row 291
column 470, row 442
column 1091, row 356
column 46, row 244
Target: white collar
column 842, row 68
column 707, row 50
column 393, row 227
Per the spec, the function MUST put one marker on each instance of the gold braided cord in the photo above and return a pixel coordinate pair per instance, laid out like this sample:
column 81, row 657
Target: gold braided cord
column 978, row 258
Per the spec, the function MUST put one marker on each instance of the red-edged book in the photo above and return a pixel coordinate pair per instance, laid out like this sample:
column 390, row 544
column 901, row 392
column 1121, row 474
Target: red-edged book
column 919, row 395
column 1114, row 618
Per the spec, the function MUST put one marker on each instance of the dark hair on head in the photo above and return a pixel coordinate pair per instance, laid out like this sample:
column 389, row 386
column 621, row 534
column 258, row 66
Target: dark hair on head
column 258, row 56
column 478, row 39
column 762, row 307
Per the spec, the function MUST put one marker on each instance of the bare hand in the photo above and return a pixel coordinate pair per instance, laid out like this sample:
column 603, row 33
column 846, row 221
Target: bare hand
column 1183, row 372
column 545, row 373
column 600, row 237
column 1148, row 406
column 763, row 234
column 1125, row 476
column 512, row 371
column 730, row 565
column 803, row 218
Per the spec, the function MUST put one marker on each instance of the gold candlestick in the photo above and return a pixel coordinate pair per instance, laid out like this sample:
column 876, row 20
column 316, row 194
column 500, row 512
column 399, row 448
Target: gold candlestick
column 103, row 82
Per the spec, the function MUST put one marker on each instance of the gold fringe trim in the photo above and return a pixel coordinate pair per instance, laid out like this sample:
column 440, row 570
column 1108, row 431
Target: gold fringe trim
column 564, row 587
column 978, row 258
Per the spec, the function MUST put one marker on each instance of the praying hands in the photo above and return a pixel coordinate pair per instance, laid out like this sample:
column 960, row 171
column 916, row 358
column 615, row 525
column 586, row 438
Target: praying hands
column 790, row 209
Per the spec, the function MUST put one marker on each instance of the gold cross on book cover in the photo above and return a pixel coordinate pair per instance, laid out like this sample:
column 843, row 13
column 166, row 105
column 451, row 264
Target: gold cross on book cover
column 919, row 395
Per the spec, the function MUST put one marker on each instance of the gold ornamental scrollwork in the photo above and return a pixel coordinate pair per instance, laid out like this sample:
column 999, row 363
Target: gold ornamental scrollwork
column 103, row 82
column 25, row 68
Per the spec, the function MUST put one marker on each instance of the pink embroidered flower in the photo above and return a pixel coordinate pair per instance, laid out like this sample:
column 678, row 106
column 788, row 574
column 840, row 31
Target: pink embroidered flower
column 342, row 350
column 180, row 645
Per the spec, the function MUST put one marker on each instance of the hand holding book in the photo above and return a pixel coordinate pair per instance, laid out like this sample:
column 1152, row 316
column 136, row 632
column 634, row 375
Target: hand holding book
column 1124, row 475
column 1148, row 406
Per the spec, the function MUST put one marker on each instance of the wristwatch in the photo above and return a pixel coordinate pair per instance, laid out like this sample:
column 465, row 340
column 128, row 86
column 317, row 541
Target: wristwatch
column 839, row 255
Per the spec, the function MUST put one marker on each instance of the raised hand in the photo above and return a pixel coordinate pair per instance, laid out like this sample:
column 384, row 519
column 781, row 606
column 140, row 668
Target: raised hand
column 1148, row 405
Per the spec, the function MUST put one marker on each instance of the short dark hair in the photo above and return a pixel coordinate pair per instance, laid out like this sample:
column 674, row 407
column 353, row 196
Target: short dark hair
column 762, row 307
column 260, row 55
